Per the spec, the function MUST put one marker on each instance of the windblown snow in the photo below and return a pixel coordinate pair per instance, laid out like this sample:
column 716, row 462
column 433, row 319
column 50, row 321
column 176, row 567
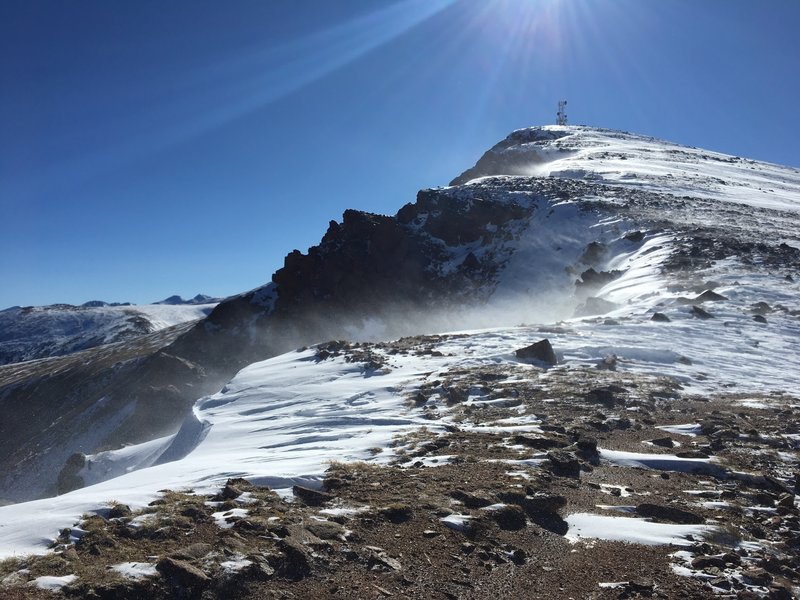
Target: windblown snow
column 282, row 421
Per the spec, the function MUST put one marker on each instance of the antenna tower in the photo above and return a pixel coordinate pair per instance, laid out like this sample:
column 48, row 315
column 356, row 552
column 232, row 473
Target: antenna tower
column 561, row 115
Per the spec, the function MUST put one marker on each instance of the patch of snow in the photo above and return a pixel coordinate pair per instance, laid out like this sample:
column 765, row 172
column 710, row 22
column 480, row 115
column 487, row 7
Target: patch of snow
column 628, row 529
column 52, row 583
column 226, row 518
column 235, row 564
column 135, row 570
column 689, row 429
column 456, row 521
column 662, row 462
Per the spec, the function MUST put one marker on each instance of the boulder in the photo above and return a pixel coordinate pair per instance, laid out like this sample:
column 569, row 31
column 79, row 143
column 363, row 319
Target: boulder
column 510, row 517
column 182, row 573
column 310, row 496
column 541, row 351
column 668, row 513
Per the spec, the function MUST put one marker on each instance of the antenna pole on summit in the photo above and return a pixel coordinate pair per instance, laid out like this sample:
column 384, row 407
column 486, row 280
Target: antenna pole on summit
column 561, row 115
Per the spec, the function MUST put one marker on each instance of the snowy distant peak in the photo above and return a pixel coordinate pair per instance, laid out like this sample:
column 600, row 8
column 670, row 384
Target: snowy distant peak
column 198, row 299
column 33, row 332
column 625, row 159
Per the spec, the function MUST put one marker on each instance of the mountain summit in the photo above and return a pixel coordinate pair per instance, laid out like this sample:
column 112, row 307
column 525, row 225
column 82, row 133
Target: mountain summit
column 657, row 277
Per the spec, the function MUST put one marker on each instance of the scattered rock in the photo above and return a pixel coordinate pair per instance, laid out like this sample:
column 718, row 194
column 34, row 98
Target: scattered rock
column 603, row 396
column 294, row 564
column 668, row 513
column 397, row 513
column 471, row 500
column 609, row 363
column 310, row 496
column 510, row 517
column 700, row 313
column 326, row 530
column 563, row 463
column 665, row 442
column 182, row 573
column 660, row 318
column 757, row 576
column 759, row 319
column 541, row 351
column 710, row 296
column 191, row 552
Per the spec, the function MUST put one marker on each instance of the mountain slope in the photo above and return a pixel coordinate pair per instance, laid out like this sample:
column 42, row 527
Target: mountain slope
column 28, row 333
column 666, row 281
column 499, row 249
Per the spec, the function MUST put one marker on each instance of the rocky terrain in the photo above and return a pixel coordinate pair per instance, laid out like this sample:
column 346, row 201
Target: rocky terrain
column 614, row 417
column 625, row 487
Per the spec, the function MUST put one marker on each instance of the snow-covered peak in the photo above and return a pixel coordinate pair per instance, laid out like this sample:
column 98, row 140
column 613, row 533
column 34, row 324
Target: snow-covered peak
column 32, row 332
column 626, row 159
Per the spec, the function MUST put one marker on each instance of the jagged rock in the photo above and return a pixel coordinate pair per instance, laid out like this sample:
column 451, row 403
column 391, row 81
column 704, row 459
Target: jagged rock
column 379, row 560
column 594, row 253
column 258, row 569
column 311, row 497
column 636, row 589
column 700, row 313
column 182, row 573
column 759, row 319
column 541, row 351
column 294, row 563
column 710, row 296
column 660, row 318
column 760, row 308
column 596, row 279
column 564, row 464
column 668, row 513
column 587, row 447
column 230, row 492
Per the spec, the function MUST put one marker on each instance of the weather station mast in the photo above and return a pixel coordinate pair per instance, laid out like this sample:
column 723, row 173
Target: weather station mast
column 561, row 115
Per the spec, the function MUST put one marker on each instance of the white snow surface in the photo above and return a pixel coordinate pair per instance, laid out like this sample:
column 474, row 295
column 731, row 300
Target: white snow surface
column 53, row 583
column 135, row 570
column 282, row 421
column 632, row 530
column 630, row 160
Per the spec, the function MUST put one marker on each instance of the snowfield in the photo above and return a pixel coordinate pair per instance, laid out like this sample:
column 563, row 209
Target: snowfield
column 282, row 421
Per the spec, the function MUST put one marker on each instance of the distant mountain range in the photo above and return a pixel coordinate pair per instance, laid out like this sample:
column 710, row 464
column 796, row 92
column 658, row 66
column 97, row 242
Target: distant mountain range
column 33, row 332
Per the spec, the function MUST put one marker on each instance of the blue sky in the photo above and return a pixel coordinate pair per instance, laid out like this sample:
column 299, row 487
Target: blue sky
column 154, row 148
